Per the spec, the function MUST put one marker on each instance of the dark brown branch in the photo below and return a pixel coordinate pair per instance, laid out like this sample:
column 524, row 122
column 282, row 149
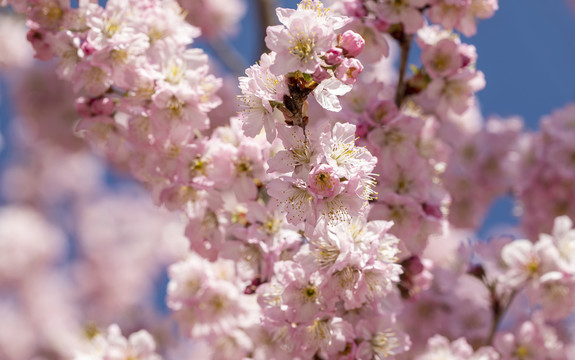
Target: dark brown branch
column 404, row 45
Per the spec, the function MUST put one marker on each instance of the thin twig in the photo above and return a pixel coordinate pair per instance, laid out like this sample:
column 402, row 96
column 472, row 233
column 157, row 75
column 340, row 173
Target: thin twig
column 405, row 45
column 266, row 12
column 498, row 316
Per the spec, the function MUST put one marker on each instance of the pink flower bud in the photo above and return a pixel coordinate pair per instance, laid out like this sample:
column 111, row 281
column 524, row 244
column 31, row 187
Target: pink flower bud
column 362, row 129
column 87, row 48
column 83, row 107
column 432, row 210
column 468, row 54
column 334, row 56
column 352, row 43
column 42, row 48
column 465, row 60
column 413, row 265
column 103, row 106
column 320, row 74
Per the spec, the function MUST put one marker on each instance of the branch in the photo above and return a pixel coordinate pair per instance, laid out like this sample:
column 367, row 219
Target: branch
column 405, row 45
column 229, row 56
column 266, row 12
column 498, row 312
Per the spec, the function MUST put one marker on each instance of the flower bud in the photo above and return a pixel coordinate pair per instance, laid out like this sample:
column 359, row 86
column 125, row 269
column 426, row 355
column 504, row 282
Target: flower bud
column 320, row 74
column 334, row 56
column 83, row 107
column 41, row 47
column 352, row 43
column 103, row 106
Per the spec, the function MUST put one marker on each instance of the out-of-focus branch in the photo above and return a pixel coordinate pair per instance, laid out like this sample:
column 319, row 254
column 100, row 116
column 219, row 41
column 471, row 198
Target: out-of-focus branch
column 267, row 18
column 498, row 311
column 231, row 58
column 404, row 45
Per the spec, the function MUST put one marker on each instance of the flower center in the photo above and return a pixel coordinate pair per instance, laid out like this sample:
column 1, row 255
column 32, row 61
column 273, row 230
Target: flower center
column 326, row 254
column 323, row 181
column 198, row 166
column 303, row 48
column 441, row 62
column 244, row 166
column 271, row 225
column 384, row 342
column 174, row 72
column 309, row 293
column 175, row 107
column 111, row 27
column 522, row 352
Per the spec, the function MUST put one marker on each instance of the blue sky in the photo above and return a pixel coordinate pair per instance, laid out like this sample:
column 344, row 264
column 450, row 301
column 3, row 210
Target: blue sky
column 527, row 52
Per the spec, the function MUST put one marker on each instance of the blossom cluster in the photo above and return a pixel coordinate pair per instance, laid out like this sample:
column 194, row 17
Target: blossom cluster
column 449, row 78
column 440, row 347
column 144, row 93
column 546, row 170
column 319, row 174
column 325, row 176
column 408, row 153
column 545, row 268
column 410, row 14
column 310, row 41
column 482, row 165
column 327, row 220
column 309, row 55
column 113, row 345
column 63, row 231
column 319, row 298
column 208, row 303
column 537, row 275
